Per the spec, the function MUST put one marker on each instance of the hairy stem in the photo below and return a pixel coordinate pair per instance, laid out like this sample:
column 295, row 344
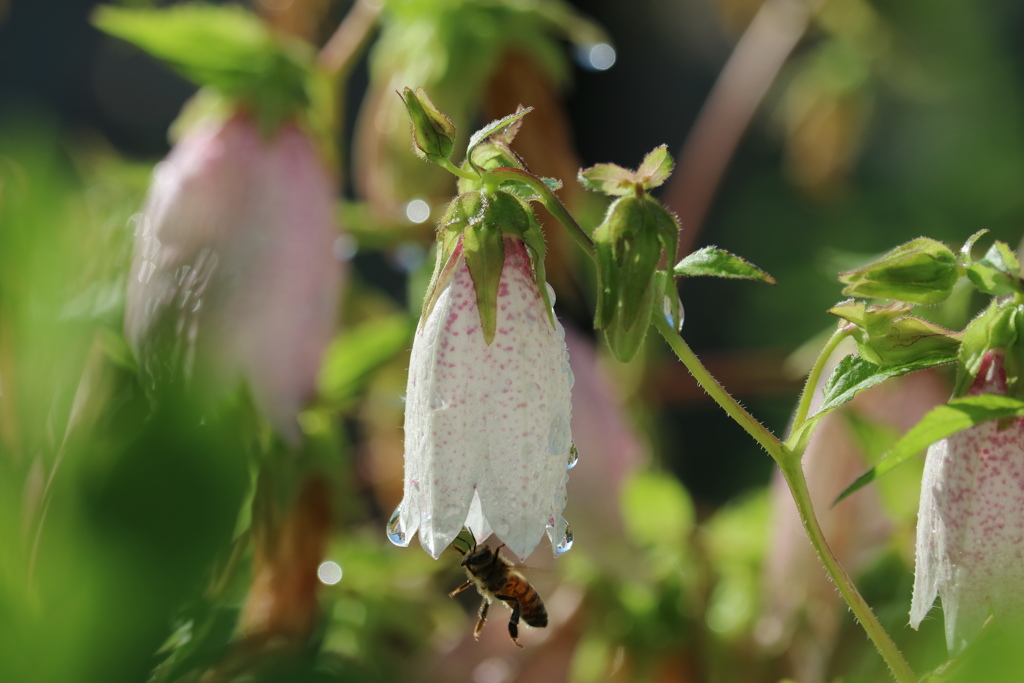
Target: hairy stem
column 550, row 201
column 789, row 462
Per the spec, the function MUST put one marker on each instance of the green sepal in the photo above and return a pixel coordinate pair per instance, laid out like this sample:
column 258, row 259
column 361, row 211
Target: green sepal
column 922, row 271
column 965, row 251
column 888, row 335
column 609, row 179
column 433, row 134
column 628, row 249
column 466, row 209
column 494, row 128
column 998, row 272
column 720, row 263
column 484, row 249
column 940, row 423
column 226, row 48
column 534, row 239
column 624, row 341
column 616, row 181
column 656, row 168
column 483, row 245
column 1000, row 327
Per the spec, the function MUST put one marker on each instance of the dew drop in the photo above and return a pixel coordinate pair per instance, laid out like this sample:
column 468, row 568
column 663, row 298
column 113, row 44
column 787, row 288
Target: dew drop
column 564, row 545
column 551, row 293
column 672, row 307
column 438, row 402
column 574, row 457
column 396, row 534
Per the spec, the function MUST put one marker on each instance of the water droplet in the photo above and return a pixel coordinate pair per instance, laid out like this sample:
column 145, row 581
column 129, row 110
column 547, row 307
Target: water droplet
column 533, row 392
column 146, row 270
column 551, row 293
column 138, row 224
column 396, row 532
column 564, row 545
column 672, row 307
column 181, row 273
column 417, row 211
column 574, row 457
column 438, row 402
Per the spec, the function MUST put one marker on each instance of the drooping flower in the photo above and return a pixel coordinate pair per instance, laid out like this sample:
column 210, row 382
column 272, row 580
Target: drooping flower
column 233, row 277
column 970, row 527
column 487, row 437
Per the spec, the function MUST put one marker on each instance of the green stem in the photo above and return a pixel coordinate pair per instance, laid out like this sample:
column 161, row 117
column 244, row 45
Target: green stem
column 447, row 165
column 789, row 462
column 550, row 201
column 804, row 407
column 794, row 475
column 722, row 397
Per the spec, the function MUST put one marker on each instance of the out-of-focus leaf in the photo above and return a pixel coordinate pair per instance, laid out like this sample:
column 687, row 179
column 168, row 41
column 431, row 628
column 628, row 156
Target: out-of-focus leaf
column 354, row 355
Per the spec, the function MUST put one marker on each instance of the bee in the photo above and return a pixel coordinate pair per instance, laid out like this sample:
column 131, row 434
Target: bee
column 496, row 579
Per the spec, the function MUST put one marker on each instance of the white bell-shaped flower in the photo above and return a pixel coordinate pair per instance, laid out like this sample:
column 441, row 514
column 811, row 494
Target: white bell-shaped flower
column 970, row 526
column 487, row 439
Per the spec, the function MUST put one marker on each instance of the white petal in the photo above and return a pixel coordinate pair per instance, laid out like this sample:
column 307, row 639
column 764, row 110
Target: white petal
column 487, row 426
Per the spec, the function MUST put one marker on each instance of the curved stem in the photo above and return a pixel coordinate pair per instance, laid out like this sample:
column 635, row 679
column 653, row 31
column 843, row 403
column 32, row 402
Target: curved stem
column 550, row 201
column 789, row 462
column 447, row 165
column 804, row 407
column 759, row 432
column 794, row 475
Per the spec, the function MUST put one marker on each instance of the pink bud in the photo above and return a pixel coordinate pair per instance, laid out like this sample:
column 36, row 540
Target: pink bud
column 233, row 277
column 970, row 525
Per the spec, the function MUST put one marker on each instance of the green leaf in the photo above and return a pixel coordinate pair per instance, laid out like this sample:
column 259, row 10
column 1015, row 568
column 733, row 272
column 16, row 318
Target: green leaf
column 855, row 374
column 657, row 509
column 226, row 48
column 656, row 168
column 494, row 127
column 940, row 423
column 720, row 263
column 610, row 179
column 922, row 271
column 354, row 355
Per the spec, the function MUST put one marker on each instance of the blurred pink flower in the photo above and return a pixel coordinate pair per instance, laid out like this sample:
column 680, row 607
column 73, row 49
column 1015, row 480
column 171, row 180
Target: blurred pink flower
column 970, row 525
column 234, row 277
column 487, row 438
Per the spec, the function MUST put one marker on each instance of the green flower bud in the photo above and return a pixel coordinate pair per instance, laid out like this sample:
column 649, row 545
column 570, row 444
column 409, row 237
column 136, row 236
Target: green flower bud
column 922, row 271
column 433, row 135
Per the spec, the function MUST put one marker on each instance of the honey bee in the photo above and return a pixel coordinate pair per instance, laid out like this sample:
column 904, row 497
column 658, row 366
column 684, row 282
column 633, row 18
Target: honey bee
column 496, row 579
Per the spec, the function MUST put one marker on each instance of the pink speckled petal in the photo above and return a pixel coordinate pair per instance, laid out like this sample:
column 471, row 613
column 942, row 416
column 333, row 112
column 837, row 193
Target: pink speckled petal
column 487, row 427
column 970, row 536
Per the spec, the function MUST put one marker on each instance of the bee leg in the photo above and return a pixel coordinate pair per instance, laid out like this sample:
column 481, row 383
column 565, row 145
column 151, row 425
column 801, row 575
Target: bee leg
column 460, row 589
column 513, row 622
column 485, row 605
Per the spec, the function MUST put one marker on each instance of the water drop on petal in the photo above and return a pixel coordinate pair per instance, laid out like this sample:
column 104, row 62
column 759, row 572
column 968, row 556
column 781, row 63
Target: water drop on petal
column 574, row 457
column 396, row 532
column 551, row 293
column 564, row 545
